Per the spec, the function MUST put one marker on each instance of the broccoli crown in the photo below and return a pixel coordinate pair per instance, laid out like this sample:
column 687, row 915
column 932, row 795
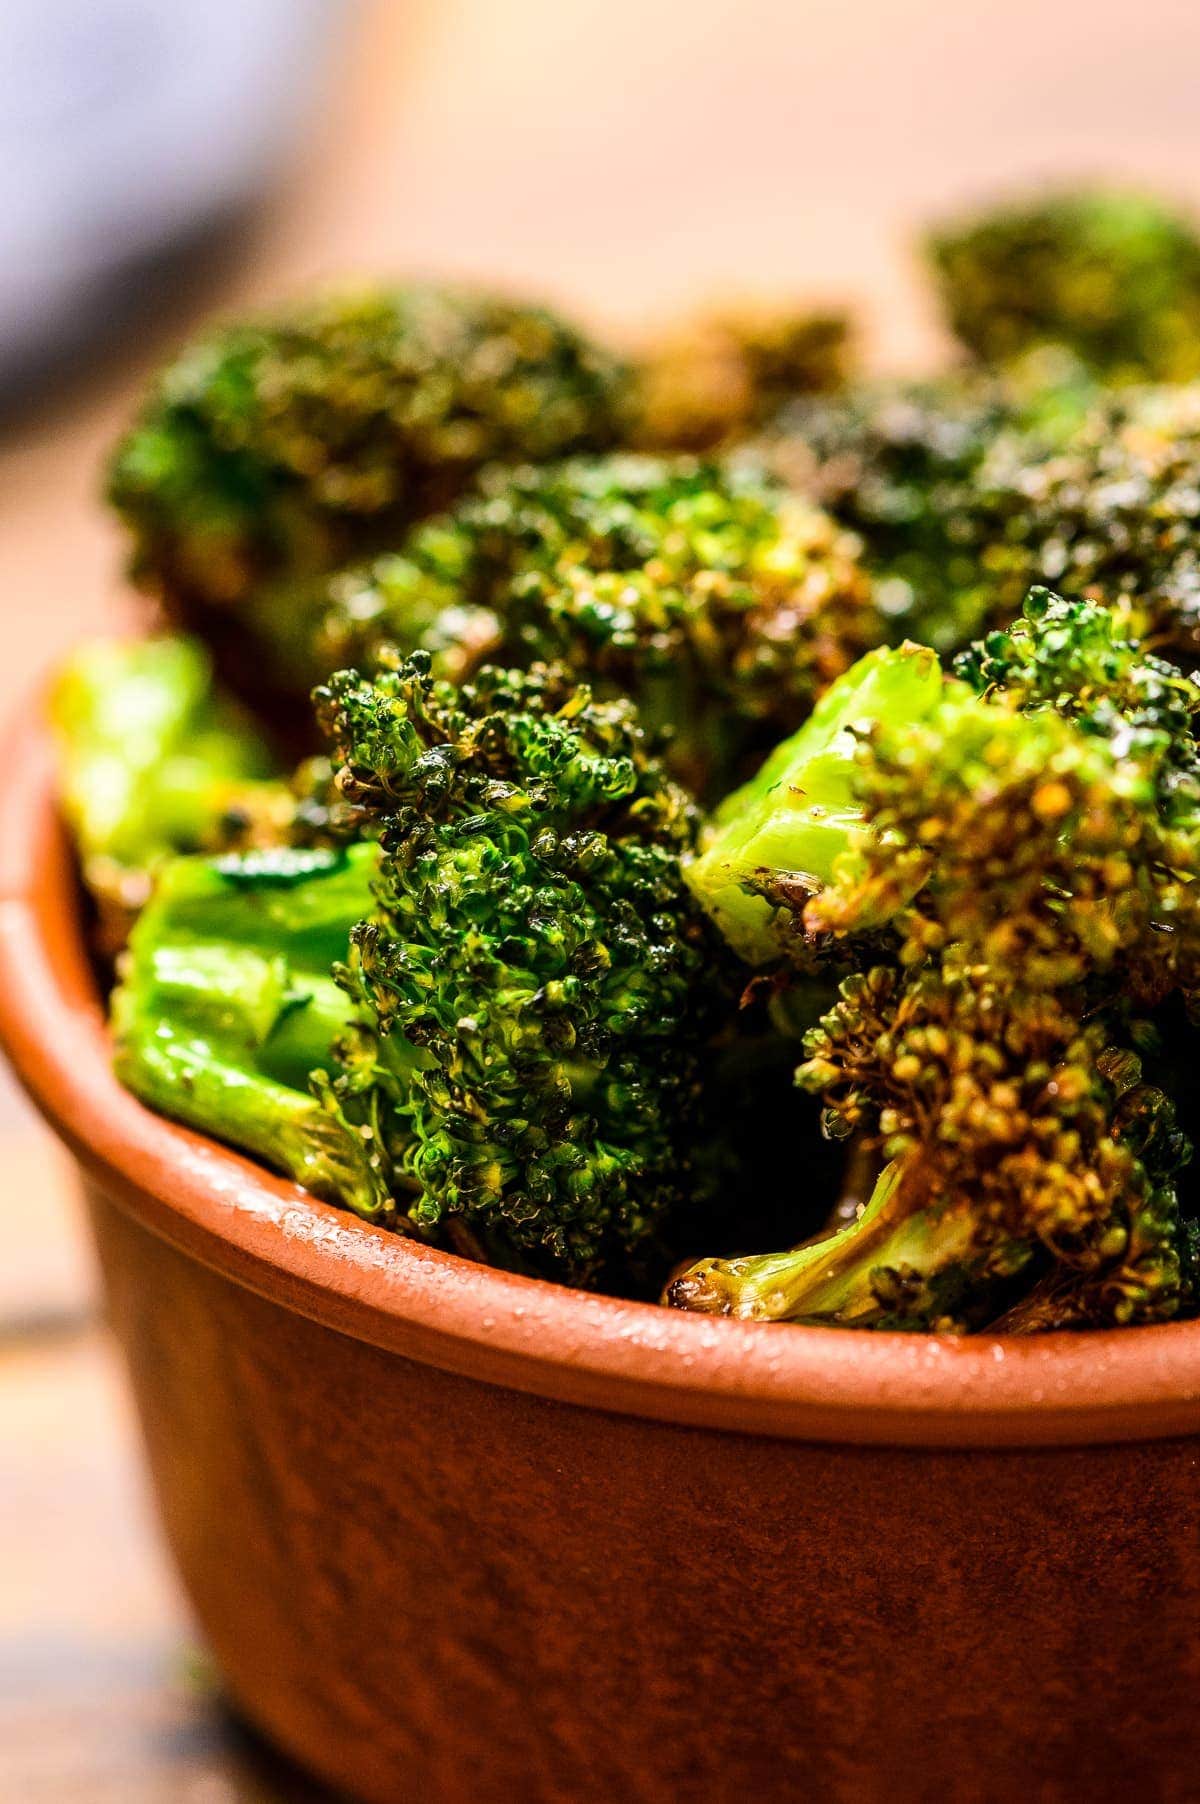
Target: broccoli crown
column 1113, row 277
column 726, row 374
column 1039, row 848
column 898, row 463
column 1018, row 1146
column 1109, row 513
column 720, row 603
column 1030, row 853
column 283, row 448
column 535, row 951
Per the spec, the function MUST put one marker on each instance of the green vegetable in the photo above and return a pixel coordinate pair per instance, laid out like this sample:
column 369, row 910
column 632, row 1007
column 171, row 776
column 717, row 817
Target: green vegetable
column 534, row 940
column 227, row 1016
column 277, row 450
column 721, row 604
column 152, row 762
column 1019, row 869
column 899, row 464
column 719, row 377
column 1115, row 278
column 776, row 841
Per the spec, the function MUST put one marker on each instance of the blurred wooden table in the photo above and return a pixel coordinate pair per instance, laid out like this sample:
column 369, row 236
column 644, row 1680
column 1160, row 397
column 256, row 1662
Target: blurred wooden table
column 625, row 157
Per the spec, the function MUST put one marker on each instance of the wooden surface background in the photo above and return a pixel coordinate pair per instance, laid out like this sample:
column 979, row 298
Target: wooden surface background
column 625, row 157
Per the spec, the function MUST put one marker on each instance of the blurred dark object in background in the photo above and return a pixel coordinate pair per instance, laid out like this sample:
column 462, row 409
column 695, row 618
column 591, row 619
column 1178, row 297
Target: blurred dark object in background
column 133, row 133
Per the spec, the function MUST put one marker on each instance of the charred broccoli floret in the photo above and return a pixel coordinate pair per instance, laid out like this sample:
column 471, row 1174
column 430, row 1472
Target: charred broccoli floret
column 720, row 603
column 1113, row 277
column 724, row 375
column 1013, row 1144
column 535, row 947
column 1110, row 514
column 487, row 1021
column 280, row 449
column 898, row 464
column 1019, row 865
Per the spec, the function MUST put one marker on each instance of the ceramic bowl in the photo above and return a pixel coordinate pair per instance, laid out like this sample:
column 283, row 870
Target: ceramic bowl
column 458, row 1535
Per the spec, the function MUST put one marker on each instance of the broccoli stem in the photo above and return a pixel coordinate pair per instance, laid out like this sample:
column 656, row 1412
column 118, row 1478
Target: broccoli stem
column 794, row 820
column 153, row 762
column 837, row 1278
column 227, row 1017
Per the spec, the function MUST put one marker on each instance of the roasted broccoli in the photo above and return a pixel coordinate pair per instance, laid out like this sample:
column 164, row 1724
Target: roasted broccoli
column 1018, row 863
column 275, row 451
column 720, row 377
column 1115, row 278
column 720, row 603
column 227, row 1016
column 709, row 791
column 152, row 762
column 504, row 987
column 1111, row 513
column 899, row 463
column 535, row 943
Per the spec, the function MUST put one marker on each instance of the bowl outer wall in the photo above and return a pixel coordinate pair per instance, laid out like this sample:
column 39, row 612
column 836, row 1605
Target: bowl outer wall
column 437, row 1309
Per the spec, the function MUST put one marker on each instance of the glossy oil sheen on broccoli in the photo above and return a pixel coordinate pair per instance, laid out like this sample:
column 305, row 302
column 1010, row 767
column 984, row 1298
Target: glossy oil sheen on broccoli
column 281, row 448
column 721, row 604
column 1030, row 841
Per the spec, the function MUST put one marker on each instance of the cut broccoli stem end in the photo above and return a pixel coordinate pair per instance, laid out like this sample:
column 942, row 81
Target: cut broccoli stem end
column 875, row 1272
column 303, row 1134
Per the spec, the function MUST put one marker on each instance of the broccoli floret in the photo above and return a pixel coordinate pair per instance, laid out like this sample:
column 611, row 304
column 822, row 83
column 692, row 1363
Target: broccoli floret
column 720, row 603
column 1110, row 514
column 227, row 1016
column 1019, row 865
column 534, row 941
column 897, row 463
column 490, row 1021
column 277, row 450
column 1113, row 277
column 724, row 375
column 152, row 762
column 1001, row 1119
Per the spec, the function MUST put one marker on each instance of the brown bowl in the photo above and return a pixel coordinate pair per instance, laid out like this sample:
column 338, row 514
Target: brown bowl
column 459, row 1535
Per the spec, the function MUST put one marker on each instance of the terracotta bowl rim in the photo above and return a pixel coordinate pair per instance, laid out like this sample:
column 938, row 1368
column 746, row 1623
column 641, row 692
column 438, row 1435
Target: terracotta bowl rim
column 436, row 1308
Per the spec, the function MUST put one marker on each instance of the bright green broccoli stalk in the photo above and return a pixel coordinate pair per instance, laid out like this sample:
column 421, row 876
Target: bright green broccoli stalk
column 227, row 1016
column 1019, row 869
column 775, row 842
column 1115, row 278
column 153, row 763
column 534, row 941
column 279, row 449
column 719, row 603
